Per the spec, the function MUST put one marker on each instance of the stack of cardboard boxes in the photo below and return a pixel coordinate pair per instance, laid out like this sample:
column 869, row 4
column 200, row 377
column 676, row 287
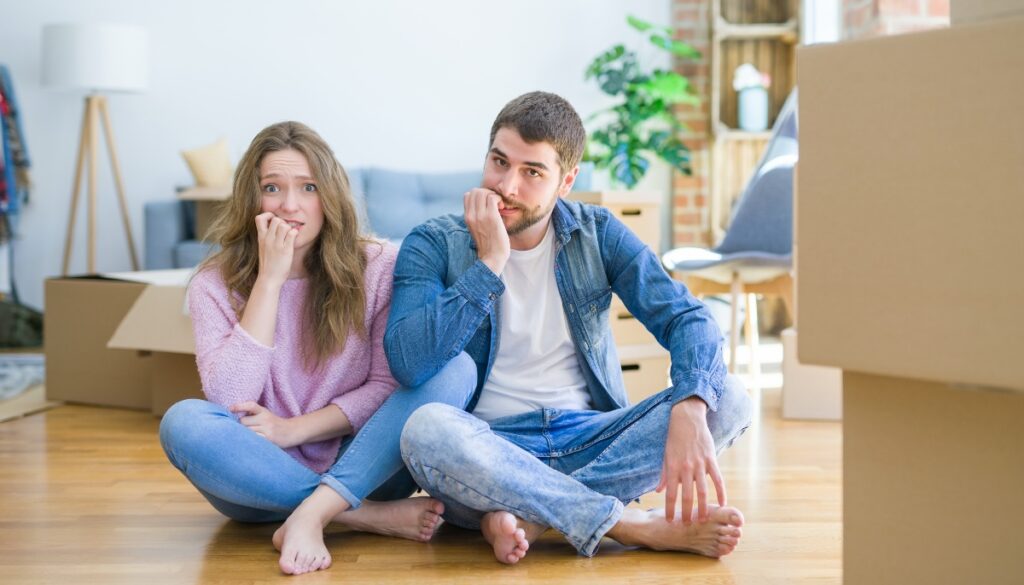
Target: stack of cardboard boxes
column 645, row 363
column 911, row 279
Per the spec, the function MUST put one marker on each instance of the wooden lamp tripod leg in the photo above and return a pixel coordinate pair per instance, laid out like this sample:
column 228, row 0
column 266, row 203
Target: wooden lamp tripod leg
column 83, row 146
column 116, row 167
column 93, row 147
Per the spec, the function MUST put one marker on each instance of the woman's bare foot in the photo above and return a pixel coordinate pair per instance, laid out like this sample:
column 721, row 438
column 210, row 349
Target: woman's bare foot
column 301, row 542
column 301, row 538
column 510, row 536
column 412, row 518
column 715, row 538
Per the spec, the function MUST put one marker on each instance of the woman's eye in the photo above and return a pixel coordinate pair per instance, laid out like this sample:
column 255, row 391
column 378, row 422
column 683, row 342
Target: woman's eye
column 310, row 187
column 270, row 188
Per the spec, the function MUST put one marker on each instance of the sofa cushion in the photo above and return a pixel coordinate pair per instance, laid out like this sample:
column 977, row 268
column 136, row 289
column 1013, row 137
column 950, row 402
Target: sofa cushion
column 190, row 253
column 396, row 201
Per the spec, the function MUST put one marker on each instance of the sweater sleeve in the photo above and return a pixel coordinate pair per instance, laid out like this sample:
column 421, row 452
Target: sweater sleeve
column 233, row 366
column 361, row 402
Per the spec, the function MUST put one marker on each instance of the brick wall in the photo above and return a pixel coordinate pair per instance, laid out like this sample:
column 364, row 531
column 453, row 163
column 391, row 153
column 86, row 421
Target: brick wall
column 872, row 18
column 691, row 18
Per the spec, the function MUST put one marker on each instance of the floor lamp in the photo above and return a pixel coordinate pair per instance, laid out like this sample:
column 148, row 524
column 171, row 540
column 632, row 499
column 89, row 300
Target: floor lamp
column 96, row 58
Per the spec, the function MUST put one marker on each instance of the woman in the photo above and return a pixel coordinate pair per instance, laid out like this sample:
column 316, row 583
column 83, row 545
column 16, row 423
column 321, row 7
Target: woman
column 289, row 319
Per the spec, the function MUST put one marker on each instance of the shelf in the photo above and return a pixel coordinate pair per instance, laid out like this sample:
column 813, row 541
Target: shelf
column 725, row 30
column 723, row 132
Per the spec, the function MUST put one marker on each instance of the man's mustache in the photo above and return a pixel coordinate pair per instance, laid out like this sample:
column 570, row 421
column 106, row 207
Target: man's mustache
column 507, row 202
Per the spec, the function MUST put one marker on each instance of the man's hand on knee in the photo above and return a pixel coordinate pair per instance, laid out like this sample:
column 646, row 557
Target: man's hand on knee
column 689, row 459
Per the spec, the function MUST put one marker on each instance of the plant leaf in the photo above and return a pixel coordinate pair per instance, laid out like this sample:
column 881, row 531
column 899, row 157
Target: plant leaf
column 644, row 26
column 677, row 48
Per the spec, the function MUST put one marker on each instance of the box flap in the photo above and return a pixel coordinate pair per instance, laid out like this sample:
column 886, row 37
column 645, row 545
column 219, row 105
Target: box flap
column 176, row 277
column 156, row 322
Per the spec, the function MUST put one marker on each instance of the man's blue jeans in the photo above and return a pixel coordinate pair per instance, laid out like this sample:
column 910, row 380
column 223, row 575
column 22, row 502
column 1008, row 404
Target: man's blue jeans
column 249, row 479
column 570, row 470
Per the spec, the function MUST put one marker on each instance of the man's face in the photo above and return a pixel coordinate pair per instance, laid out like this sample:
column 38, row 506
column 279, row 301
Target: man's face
column 528, row 178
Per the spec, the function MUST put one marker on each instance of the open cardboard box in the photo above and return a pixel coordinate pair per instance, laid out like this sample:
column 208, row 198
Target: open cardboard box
column 120, row 339
column 910, row 246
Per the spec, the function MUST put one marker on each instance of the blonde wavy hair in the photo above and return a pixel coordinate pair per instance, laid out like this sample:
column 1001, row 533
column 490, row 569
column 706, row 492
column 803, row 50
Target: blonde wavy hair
column 336, row 301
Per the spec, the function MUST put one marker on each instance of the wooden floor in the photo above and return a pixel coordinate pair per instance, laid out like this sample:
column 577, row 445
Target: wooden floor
column 86, row 496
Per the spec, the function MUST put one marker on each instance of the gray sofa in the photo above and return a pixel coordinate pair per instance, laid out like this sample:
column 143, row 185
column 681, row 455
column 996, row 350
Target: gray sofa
column 392, row 202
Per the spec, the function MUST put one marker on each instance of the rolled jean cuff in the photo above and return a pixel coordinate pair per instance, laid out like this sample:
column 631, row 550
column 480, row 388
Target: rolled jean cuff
column 589, row 547
column 343, row 491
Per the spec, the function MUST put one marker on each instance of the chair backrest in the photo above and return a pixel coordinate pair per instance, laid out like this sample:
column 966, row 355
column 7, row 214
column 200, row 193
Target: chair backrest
column 763, row 220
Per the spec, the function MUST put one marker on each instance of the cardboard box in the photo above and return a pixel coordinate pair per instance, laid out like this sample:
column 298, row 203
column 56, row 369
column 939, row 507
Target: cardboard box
column 808, row 392
column 208, row 202
column 645, row 370
column 120, row 340
column 910, row 206
column 158, row 324
column 81, row 315
column 974, row 11
column 933, row 477
column 639, row 210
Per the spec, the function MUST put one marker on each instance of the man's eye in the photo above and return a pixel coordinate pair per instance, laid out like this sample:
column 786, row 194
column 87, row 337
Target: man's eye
column 533, row 172
column 270, row 188
column 501, row 162
column 310, row 187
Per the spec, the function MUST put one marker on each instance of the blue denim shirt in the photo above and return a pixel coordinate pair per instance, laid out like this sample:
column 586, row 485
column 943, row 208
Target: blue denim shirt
column 446, row 301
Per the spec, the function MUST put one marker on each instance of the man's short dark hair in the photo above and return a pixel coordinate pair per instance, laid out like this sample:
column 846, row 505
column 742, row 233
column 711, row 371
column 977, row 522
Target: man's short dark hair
column 545, row 117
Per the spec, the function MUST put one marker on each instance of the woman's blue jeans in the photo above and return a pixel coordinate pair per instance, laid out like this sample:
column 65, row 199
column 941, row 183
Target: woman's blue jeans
column 249, row 479
column 570, row 470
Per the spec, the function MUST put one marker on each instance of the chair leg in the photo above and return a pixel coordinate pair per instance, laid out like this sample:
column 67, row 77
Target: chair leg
column 753, row 341
column 734, row 330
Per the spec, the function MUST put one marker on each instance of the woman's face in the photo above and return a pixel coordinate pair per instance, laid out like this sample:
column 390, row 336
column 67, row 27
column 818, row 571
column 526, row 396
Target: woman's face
column 289, row 191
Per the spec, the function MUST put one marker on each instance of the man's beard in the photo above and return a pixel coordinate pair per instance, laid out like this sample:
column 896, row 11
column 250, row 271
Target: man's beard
column 528, row 217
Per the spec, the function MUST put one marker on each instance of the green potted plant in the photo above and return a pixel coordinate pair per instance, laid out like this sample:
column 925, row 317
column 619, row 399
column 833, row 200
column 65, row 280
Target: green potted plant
column 641, row 123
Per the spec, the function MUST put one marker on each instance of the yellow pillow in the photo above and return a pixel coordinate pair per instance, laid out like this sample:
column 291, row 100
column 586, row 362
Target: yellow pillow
column 210, row 165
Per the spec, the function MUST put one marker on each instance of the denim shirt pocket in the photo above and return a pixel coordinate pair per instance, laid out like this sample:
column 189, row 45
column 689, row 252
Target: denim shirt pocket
column 593, row 314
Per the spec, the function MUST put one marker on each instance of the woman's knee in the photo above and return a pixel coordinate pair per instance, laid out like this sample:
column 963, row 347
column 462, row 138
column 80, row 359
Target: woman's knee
column 187, row 422
column 454, row 383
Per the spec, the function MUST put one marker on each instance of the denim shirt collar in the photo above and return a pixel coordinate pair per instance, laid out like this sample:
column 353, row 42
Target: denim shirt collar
column 565, row 221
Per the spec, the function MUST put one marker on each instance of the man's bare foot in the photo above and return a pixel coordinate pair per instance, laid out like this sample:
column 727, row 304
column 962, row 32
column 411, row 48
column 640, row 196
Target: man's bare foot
column 412, row 518
column 715, row 538
column 510, row 536
column 301, row 542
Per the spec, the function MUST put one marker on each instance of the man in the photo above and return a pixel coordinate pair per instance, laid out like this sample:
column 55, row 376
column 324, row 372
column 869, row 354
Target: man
column 522, row 284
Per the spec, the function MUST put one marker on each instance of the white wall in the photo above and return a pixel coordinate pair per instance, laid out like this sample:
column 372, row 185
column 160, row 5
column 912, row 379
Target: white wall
column 408, row 85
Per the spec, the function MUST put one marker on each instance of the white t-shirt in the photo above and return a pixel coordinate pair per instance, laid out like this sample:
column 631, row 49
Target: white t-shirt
column 536, row 366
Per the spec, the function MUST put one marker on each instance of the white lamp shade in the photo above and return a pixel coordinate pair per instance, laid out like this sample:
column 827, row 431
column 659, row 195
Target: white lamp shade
column 96, row 57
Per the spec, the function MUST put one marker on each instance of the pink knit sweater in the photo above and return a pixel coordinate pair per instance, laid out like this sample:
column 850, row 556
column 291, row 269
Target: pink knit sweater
column 235, row 368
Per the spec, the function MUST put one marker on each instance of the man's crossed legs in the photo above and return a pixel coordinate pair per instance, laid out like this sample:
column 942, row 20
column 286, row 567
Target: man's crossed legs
column 569, row 470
